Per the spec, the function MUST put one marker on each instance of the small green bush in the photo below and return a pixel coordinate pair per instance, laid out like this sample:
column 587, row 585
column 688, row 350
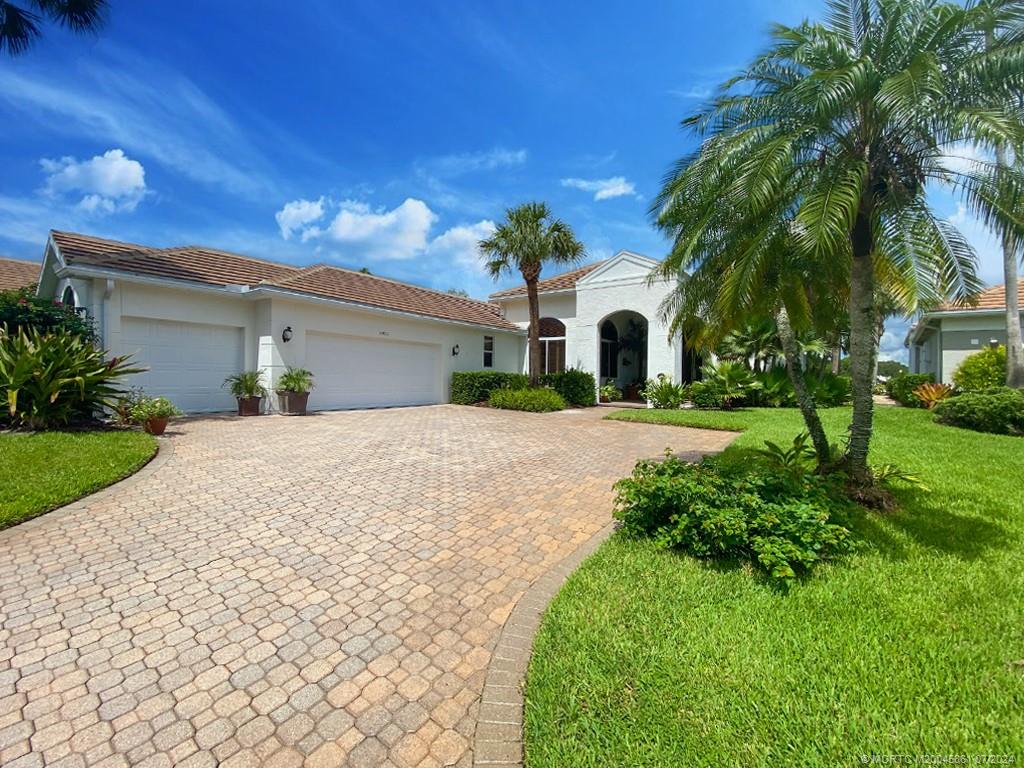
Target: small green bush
column 776, row 391
column 23, row 309
column 999, row 410
column 829, row 390
column 779, row 521
column 539, row 400
column 246, row 384
column 575, row 386
column 57, row 378
column 297, row 380
column 471, row 387
column 982, row 370
column 706, row 394
column 663, row 393
column 901, row 388
column 146, row 408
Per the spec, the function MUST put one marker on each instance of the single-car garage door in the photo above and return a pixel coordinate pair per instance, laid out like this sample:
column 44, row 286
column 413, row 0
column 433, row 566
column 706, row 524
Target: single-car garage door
column 187, row 362
column 357, row 372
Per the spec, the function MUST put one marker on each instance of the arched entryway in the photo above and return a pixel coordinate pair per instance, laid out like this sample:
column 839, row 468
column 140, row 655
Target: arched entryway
column 623, row 351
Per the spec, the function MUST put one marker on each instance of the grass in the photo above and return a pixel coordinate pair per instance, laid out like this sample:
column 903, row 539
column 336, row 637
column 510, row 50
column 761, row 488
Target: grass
column 44, row 470
column 912, row 645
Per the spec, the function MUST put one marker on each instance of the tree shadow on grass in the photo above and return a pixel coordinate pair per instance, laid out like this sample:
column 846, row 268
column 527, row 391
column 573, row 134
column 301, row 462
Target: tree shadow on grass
column 927, row 524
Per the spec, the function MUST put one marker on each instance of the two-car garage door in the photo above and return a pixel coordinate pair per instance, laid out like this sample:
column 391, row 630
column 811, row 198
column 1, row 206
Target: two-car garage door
column 187, row 362
column 359, row 372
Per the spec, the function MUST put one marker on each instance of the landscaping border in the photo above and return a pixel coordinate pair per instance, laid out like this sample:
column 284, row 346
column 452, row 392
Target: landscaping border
column 498, row 740
column 164, row 451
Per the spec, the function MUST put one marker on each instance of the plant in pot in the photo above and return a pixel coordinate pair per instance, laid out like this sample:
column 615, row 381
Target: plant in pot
column 293, row 391
column 248, row 389
column 609, row 392
column 153, row 413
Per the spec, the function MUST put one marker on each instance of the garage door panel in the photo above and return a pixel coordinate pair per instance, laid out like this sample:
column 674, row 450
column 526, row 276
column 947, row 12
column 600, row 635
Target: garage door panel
column 187, row 362
column 359, row 372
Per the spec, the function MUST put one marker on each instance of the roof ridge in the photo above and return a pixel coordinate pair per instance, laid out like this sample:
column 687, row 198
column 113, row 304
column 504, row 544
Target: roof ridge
column 137, row 246
column 235, row 254
column 20, row 261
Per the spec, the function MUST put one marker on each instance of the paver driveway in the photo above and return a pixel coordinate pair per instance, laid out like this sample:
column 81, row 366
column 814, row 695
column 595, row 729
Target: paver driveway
column 322, row 590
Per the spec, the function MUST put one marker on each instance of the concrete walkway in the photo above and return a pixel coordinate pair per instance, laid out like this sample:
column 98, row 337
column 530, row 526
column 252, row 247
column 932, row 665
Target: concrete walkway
column 282, row 591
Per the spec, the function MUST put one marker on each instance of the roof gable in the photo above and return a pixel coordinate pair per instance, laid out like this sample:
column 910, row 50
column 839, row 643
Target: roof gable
column 624, row 265
column 566, row 281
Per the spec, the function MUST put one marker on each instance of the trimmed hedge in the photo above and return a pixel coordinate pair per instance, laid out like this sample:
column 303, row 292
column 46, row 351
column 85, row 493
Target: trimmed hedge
column 982, row 370
column 901, row 388
column 471, row 387
column 575, row 386
column 540, row 400
column 999, row 410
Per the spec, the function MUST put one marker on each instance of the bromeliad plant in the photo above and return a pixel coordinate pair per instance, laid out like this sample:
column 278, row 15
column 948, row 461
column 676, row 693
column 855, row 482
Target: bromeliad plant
column 50, row 380
column 661, row 392
column 932, row 394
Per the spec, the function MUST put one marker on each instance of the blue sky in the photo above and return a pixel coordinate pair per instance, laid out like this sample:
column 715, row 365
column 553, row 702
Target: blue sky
column 390, row 135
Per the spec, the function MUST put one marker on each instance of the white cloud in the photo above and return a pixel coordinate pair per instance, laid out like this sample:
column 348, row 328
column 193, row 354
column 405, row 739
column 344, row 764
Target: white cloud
column 470, row 162
column 603, row 189
column 963, row 157
column 458, row 246
column 399, row 233
column 108, row 183
column 298, row 215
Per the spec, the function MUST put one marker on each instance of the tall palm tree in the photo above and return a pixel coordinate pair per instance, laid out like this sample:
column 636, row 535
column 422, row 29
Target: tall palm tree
column 527, row 239
column 20, row 23
column 832, row 137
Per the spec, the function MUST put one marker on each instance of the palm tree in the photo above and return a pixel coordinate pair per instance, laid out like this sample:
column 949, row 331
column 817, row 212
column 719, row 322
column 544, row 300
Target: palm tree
column 20, row 24
column 527, row 239
column 830, row 140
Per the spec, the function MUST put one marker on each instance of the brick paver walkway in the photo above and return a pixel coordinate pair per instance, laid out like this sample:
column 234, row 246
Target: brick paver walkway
column 322, row 591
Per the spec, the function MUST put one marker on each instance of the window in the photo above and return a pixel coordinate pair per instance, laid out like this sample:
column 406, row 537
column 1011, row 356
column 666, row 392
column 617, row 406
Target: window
column 609, row 350
column 68, row 297
column 488, row 351
column 552, row 345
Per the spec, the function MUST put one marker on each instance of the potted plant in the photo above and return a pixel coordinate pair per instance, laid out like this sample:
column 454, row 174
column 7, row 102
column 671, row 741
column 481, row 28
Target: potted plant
column 609, row 392
column 248, row 389
column 293, row 391
column 153, row 413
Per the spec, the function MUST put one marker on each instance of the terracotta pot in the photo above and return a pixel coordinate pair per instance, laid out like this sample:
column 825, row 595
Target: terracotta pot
column 155, row 426
column 293, row 403
column 632, row 392
column 605, row 399
column 249, row 406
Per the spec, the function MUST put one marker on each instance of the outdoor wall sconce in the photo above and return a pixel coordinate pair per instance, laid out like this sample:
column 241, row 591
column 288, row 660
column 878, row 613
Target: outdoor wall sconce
column 455, row 351
column 286, row 334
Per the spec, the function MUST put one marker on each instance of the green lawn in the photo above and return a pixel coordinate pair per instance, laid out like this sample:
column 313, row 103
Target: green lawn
column 40, row 471
column 915, row 644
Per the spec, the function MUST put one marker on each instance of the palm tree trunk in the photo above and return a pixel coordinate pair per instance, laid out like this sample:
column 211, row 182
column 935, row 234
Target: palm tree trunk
column 803, row 397
column 1014, row 351
column 534, row 338
column 863, row 349
column 836, row 358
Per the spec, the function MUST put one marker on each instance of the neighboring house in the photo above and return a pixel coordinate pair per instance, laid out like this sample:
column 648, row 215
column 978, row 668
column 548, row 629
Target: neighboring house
column 605, row 318
column 940, row 340
column 193, row 316
column 15, row 273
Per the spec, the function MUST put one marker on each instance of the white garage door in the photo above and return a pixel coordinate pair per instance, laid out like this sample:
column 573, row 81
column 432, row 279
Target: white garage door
column 355, row 372
column 187, row 362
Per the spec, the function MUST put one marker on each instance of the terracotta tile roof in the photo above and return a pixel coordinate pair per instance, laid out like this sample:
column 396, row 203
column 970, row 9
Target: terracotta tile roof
column 347, row 285
column 989, row 299
column 560, row 282
column 216, row 267
column 15, row 273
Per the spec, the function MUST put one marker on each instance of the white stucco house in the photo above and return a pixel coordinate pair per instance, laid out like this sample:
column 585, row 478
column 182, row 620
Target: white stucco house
column 940, row 340
column 194, row 315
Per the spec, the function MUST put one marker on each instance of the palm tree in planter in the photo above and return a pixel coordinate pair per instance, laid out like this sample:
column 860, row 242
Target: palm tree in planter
column 247, row 387
column 293, row 391
column 834, row 135
column 527, row 239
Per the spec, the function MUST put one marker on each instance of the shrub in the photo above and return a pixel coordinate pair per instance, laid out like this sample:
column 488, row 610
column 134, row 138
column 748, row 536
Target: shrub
column 776, row 520
column 829, row 390
column 663, row 393
column 705, row 394
column 56, row 378
column 471, row 387
column 538, row 400
column 901, row 388
column 774, row 389
column 999, row 410
column 295, row 380
column 732, row 383
column 23, row 309
column 575, row 386
column 981, row 370
column 146, row 408
column 932, row 394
